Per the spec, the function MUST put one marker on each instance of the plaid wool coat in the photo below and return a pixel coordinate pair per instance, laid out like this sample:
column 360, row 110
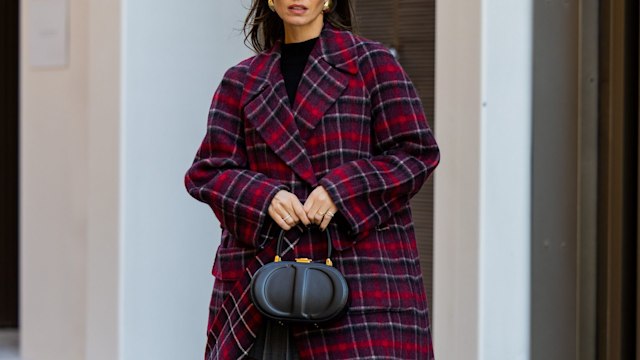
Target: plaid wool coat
column 358, row 129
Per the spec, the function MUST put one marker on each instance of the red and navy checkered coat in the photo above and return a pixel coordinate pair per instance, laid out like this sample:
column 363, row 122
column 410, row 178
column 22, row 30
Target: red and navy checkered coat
column 358, row 129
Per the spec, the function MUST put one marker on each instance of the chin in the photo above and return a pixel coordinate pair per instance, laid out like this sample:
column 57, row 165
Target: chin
column 297, row 21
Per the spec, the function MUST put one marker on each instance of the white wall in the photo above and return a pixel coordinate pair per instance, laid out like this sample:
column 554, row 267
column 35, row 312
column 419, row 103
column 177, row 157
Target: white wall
column 483, row 187
column 174, row 56
column 506, row 180
column 457, row 179
column 104, row 295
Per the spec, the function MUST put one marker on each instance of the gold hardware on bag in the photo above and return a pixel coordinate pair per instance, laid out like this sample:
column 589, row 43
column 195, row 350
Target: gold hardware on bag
column 329, row 262
column 277, row 259
column 303, row 260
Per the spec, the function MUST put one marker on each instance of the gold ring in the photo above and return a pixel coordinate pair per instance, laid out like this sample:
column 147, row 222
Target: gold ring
column 329, row 213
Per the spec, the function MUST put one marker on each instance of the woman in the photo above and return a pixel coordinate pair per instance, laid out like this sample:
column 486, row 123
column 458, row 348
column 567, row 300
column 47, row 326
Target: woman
column 321, row 127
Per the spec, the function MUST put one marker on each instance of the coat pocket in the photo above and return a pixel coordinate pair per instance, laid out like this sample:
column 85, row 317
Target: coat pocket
column 228, row 267
column 342, row 240
column 230, row 262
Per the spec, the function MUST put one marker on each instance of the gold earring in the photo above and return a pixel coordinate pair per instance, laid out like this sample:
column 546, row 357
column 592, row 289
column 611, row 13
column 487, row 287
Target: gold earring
column 327, row 6
column 272, row 6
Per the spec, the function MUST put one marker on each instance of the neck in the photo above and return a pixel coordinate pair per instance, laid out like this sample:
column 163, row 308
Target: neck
column 295, row 33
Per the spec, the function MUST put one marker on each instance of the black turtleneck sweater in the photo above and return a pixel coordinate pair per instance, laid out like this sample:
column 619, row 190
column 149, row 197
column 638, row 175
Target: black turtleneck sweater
column 292, row 64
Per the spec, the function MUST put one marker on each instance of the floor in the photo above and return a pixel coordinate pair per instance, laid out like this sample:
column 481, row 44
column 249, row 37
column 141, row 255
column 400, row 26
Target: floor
column 9, row 344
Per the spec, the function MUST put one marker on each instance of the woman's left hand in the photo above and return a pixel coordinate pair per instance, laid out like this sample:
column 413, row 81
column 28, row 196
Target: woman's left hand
column 319, row 207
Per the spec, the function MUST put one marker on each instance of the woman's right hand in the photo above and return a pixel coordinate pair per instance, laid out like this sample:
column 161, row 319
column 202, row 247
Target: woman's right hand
column 287, row 210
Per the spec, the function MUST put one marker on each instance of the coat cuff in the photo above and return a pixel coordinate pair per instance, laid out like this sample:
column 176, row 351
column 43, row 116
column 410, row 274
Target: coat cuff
column 249, row 225
column 344, row 217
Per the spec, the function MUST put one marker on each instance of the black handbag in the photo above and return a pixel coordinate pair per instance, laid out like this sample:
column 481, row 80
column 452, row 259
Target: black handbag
column 301, row 290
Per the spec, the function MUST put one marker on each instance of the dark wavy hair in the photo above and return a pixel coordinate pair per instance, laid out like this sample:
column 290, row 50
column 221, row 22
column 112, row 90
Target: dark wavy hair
column 263, row 27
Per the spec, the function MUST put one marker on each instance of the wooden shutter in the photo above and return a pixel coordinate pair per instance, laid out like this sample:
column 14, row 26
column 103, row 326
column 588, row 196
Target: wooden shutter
column 408, row 26
column 618, row 181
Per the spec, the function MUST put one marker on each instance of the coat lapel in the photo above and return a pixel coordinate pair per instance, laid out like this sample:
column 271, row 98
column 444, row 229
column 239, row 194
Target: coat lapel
column 324, row 79
column 268, row 111
column 331, row 64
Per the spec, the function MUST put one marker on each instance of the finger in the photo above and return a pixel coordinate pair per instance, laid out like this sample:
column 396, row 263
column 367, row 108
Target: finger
column 308, row 204
column 325, row 222
column 298, row 209
column 320, row 215
column 277, row 210
column 317, row 214
column 290, row 217
column 324, row 210
column 283, row 225
column 278, row 219
column 310, row 213
column 329, row 213
column 282, row 212
column 294, row 209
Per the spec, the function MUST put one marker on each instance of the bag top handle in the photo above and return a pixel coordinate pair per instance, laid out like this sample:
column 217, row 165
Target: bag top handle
column 278, row 257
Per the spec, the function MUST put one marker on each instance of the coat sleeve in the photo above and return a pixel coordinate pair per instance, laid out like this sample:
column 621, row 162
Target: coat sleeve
column 220, row 176
column 369, row 191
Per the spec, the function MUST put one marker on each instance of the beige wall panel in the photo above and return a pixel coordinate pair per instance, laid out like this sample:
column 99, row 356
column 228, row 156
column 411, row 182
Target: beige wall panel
column 53, row 193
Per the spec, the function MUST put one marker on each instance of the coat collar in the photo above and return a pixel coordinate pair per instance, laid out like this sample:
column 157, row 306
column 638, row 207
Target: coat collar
column 285, row 127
